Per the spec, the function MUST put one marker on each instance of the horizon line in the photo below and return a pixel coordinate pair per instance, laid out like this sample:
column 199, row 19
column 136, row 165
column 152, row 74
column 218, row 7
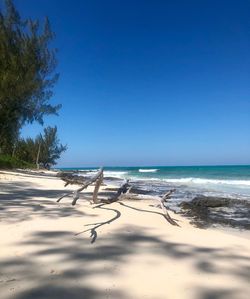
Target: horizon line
column 143, row 166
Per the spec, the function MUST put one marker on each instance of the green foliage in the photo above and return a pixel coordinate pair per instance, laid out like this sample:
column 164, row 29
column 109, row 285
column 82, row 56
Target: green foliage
column 51, row 149
column 27, row 77
column 46, row 148
column 26, row 149
column 8, row 162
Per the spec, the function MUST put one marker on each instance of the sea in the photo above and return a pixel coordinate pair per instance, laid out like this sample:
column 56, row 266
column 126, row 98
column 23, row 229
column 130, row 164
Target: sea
column 231, row 181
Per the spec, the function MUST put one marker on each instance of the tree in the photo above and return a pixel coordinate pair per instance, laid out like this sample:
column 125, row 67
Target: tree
column 51, row 149
column 27, row 76
column 26, row 150
column 44, row 150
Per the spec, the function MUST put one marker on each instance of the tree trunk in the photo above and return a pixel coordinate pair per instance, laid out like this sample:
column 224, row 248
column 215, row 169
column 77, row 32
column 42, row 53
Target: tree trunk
column 38, row 156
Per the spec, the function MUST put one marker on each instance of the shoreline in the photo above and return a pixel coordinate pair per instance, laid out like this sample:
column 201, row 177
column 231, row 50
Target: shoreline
column 46, row 251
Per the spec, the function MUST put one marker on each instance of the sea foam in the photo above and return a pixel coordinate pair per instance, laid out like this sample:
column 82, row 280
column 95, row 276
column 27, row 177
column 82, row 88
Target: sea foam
column 115, row 174
column 204, row 181
column 148, row 170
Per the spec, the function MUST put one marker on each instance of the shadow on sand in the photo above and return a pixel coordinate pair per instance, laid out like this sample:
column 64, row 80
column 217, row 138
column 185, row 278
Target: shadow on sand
column 19, row 202
column 71, row 261
column 93, row 230
column 59, row 264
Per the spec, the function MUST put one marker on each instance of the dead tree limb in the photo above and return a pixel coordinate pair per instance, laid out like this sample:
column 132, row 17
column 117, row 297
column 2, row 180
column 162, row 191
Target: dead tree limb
column 168, row 194
column 162, row 201
column 124, row 188
column 97, row 186
column 122, row 192
column 89, row 182
column 71, row 179
column 85, row 183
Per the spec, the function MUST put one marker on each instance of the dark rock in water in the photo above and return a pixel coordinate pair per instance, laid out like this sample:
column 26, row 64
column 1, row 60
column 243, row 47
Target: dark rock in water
column 213, row 202
column 207, row 210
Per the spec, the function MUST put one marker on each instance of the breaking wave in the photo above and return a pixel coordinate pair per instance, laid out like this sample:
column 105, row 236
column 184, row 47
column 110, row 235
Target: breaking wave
column 148, row 170
column 115, row 174
column 203, row 181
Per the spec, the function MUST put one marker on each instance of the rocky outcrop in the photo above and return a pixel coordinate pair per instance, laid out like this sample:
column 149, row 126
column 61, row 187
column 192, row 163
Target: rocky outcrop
column 205, row 211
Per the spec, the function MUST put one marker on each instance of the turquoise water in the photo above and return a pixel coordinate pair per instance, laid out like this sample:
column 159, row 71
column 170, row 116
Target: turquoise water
column 232, row 180
column 180, row 172
column 240, row 173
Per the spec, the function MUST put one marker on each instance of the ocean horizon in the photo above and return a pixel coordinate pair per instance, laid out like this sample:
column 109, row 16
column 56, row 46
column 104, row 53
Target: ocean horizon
column 226, row 171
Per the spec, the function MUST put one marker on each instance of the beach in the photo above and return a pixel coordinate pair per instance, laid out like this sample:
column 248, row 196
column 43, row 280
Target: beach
column 47, row 250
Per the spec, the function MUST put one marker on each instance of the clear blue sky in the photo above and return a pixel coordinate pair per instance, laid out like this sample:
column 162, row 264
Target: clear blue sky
column 150, row 82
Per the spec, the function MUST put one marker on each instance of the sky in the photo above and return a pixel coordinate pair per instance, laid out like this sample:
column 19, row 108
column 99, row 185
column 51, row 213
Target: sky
column 150, row 82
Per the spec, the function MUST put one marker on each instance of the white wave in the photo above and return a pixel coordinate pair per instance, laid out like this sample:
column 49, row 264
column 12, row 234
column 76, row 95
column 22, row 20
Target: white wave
column 148, row 170
column 197, row 181
column 86, row 172
column 115, row 174
column 200, row 181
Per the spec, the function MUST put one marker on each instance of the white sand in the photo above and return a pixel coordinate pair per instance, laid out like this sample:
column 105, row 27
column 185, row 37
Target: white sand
column 137, row 255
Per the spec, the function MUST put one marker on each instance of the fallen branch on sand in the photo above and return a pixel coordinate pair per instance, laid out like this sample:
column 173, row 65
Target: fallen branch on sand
column 98, row 178
column 124, row 189
column 123, row 193
column 163, row 201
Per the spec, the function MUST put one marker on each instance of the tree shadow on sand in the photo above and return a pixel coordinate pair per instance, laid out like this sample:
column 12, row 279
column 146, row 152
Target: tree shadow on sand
column 19, row 202
column 93, row 230
column 56, row 264
column 60, row 265
column 146, row 211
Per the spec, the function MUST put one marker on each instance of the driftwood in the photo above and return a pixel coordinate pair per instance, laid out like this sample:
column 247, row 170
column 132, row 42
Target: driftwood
column 97, row 177
column 97, row 186
column 124, row 189
column 122, row 193
column 71, row 179
column 163, row 200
